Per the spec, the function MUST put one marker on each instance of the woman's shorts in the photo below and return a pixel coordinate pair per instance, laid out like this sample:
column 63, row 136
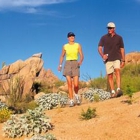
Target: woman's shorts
column 71, row 68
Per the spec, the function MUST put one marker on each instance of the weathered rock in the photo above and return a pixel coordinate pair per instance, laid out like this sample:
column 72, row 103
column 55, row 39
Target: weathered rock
column 26, row 70
column 132, row 58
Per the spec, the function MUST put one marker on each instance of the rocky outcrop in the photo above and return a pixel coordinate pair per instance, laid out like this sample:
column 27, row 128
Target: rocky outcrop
column 132, row 58
column 26, row 71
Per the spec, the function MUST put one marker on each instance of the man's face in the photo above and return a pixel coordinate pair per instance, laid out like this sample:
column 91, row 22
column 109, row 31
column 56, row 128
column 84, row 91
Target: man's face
column 111, row 30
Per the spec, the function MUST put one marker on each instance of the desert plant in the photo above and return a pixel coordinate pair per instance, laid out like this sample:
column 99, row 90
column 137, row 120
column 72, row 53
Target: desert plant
column 2, row 104
column 46, row 137
column 89, row 114
column 14, row 94
column 5, row 114
column 3, row 64
column 51, row 100
column 96, row 97
column 22, row 107
column 100, row 83
column 94, row 94
column 59, row 83
column 33, row 122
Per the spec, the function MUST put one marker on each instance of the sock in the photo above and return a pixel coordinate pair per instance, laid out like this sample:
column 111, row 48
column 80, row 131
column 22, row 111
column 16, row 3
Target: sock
column 118, row 89
column 76, row 96
column 71, row 100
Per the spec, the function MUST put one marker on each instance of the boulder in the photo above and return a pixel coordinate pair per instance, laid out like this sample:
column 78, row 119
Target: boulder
column 132, row 58
column 26, row 71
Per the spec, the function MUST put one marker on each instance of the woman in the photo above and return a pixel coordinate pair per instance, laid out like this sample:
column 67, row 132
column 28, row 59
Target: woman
column 72, row 66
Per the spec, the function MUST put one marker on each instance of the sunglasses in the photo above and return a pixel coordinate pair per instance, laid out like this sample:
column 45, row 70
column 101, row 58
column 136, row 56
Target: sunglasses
column 110, row 28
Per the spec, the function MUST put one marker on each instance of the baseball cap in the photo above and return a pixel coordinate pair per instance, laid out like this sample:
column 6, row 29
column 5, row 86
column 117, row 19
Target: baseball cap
column 111, row 24
column 70, row 34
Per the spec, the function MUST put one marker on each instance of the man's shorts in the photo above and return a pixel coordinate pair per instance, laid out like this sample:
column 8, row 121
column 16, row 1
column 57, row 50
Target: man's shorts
column 112, row 65
column 71, row 68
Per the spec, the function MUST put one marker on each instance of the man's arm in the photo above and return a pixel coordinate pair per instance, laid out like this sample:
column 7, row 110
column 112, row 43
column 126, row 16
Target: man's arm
column 100, row 50
column 123, row 57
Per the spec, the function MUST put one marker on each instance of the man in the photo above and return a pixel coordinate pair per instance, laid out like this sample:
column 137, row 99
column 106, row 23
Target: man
column 111, row 49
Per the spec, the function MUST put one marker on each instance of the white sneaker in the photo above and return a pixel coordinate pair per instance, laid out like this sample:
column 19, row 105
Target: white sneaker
column 71, row 103
column 78, row 101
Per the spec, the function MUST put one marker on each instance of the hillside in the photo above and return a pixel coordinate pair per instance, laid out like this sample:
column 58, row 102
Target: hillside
column 116, row 120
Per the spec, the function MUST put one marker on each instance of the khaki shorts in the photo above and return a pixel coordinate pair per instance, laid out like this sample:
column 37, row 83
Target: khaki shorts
column 112, row 65
column 71, row 68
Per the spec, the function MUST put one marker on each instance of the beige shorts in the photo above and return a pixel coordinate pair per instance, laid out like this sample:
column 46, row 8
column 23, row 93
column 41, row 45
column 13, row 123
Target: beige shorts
column 112, row 65
column 71, row 68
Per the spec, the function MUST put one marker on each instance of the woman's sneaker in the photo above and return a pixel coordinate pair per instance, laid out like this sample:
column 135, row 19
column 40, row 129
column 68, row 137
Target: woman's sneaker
column 71, row 103
column 78, row 101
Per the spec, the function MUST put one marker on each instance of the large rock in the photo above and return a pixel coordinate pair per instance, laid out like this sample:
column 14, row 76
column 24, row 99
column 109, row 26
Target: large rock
column 132, row 58
column 26, row 71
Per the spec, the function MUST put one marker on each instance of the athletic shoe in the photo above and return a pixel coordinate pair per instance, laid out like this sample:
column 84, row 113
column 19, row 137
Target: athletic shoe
column 119, row 93
column 78, row 101
column 71, row 103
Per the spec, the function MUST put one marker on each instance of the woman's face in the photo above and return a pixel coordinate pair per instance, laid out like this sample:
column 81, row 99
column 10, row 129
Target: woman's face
column 71, row 38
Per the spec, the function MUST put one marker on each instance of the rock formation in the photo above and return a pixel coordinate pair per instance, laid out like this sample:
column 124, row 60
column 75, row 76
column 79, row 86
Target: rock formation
column 26, row 72
column 132, row 58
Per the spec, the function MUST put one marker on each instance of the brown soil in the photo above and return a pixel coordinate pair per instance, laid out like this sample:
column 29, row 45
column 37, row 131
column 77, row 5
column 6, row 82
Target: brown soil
column 116, row 120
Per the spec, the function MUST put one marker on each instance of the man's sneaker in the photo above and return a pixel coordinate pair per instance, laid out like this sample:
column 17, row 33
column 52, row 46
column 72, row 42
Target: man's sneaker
column 119, row 93
column 71, row 103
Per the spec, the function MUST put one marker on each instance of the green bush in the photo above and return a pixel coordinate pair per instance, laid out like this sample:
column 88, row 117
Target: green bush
column 59, row 83
column 5, row 114
column 89, row 114
column 100, row 83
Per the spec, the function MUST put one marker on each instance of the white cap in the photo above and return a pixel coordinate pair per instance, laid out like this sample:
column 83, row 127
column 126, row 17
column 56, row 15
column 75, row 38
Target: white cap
column 111, row 24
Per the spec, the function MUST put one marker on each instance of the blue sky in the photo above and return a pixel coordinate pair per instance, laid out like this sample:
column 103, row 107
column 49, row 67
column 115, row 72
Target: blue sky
column 33, row 26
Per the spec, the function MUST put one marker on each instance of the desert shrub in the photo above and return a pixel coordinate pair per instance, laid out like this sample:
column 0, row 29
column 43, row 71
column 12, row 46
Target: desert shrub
column 52, row 100
column 88, row 114
column 2, row 104
column 59, row 83
column 130, row 84
column 22, row 107
column 130, row 78
column 131, row 70
column 5, row 114
column 46, row 137
column 96, row 97
column 46, row 87
column 14, row 94
column 34, row 122
column 82, row 84
column 93, row 94
column 100, row 83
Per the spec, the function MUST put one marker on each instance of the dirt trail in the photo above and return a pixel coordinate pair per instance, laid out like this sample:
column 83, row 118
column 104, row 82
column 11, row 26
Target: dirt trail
column 115, row 120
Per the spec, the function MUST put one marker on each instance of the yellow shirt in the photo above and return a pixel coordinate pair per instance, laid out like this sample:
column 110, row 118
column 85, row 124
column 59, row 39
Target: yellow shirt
column 71, row 51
